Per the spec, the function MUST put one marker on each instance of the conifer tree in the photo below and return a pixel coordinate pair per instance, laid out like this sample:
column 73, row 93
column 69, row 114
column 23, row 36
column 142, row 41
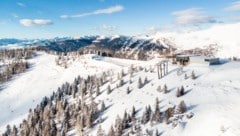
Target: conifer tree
column 111, row 131
column 128, row 90
column 165, row 89
column 109, row 89
column 193, row 75
column 100, row 131
column 182, row 107
column 103, row 107
column 140, row 84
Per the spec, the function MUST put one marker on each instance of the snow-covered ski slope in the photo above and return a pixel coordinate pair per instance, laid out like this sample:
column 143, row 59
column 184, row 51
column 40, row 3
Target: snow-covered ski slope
column 213, row 97
column 27, row 90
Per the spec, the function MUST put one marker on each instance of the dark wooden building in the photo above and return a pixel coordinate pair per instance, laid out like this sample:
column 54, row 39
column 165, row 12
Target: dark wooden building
column 182, row 59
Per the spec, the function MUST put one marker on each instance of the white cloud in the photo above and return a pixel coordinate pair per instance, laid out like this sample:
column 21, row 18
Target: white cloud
column 21, row 4
column 109, row 10
column 35, row 22
column 234, row 6
column 192, row 16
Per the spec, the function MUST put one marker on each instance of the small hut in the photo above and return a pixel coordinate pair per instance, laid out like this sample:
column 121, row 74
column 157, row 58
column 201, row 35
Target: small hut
column 182, row 59
column 213, row 61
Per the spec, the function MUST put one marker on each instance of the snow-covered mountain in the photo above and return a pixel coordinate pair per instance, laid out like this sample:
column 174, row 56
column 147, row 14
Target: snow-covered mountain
column 114, row 43
column 212, row 99
column 222, row 40
column 223, row 37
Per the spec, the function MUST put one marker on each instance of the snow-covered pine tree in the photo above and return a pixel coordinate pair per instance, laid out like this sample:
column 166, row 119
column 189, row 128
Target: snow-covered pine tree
column 109, row 89
column 118, row 126
column 185, row 76
column 140, row 84
column 100, row 131
column 193, row 75
column 180, row 92
column 182, row 107
column 103, row 107
column 111, row 132
column 165, row 89
column 145, row 80
column 159, row 88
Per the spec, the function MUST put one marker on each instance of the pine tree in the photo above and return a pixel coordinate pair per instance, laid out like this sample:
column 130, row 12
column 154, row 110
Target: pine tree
column 168, row 114
column 128, row 90
column 185, row 76
column 111, row 132
column 14, row 131
column 89, row 122
column 130, row 81
column 165, row 90
column 122, row 73
column 157, row 101
column 133, row 112
column 140, row 83
column 193, row 75
column 103, row 107
column 118, row 126
column 146, row 115
column 156, row 133
column 109, row 89
column 182, row 107
column 125, row 120
column 145, row 80
column 138, row 130
column 79, row 125
column 121, row 82
column 100, row 131
column 156, row 116
column 180, row 92
column 8, row 131
column 131, row 71
column 98, row 90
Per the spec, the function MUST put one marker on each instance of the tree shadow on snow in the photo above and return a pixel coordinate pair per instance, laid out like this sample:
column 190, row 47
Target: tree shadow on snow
column 199, row 76
column 170, row 90
column 161, row 133
column 191, row 107
column 138, row 110
column 109, row 106
column 188, row 91
column 2, row 87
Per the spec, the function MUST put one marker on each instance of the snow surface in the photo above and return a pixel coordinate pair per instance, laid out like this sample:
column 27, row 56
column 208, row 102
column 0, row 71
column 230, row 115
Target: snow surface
column 27, row 90
column 213, row 97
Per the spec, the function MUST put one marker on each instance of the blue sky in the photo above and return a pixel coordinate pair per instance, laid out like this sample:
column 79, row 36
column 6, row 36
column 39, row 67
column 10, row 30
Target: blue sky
column 52, row 18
